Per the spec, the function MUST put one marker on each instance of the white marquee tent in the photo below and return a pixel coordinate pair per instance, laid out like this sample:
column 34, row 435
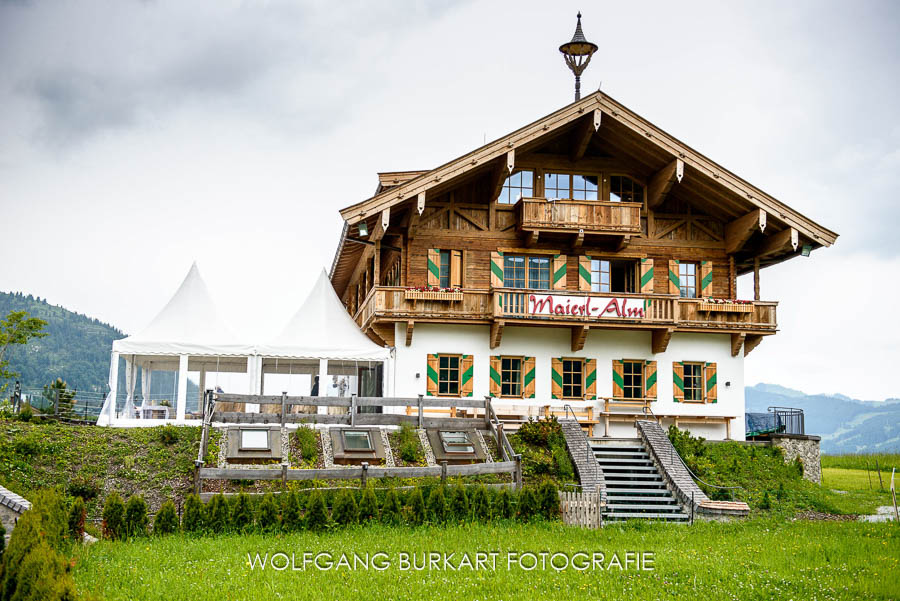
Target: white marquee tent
column 189, row 335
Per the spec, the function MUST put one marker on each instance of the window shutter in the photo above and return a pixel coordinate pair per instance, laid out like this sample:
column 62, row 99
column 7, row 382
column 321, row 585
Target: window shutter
column 497, row 270
column 618, row 386
column 528, row 377
column 590, row 379
column 674, row 280
column 456, row 264
column 559, row 272
column 711, row 386
column 646, row 276
column 650, row 380
column 495, row 376
column 556, row 371
column 431, row 380
column 434, row 267
column 706, row 279
column 678, row 381
column 466, row 380
column 584, row 273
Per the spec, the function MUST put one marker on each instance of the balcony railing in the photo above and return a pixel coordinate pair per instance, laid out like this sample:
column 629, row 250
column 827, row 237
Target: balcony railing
column 570, row 216
column 565, row 307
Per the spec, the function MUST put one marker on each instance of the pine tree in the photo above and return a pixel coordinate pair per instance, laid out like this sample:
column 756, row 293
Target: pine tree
column 316, row 512
column 292, row 519
column 166, row 521
column 194, row 519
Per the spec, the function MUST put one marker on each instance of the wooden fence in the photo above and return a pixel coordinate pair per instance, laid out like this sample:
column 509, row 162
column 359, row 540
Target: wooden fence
column 581, row 509
column 511, row 461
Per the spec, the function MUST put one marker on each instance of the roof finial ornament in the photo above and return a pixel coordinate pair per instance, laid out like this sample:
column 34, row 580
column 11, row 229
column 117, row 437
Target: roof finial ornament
column 577, row 54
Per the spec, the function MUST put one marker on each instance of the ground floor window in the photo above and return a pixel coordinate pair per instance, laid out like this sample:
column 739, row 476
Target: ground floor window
column 573, row 379
column 693, row 382
column 511, row 376
column 633, row 379
column 448, row 375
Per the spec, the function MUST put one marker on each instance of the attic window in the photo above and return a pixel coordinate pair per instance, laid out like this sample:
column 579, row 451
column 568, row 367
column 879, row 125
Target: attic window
column 357, row 440
column 625, row 189
column 254, row 440
column 517, row 186
column 456, row 442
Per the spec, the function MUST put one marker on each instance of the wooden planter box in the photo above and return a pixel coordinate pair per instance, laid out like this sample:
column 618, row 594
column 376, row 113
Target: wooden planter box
column 727, row 307
column 432, row 295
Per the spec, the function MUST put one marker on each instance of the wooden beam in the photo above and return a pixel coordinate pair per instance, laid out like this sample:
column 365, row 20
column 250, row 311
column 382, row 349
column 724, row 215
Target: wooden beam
column 496, row 332
column 737, row 341
column 784, row 240
column 409, row 332
column 420, row 202
column 381, row 225
column 660, row 341
column 737, row 232
column 623, row 242
column 751, row 343
column 579, row 335
column 532, row 238
column 584, row 134
column 756, row 278
column 662, row 182
column 578, row 242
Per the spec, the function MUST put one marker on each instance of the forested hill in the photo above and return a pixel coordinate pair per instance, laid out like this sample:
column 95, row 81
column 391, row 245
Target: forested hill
column 76, row 349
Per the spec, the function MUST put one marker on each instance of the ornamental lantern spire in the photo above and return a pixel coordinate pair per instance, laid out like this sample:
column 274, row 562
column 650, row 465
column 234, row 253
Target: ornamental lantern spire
column 578, row 54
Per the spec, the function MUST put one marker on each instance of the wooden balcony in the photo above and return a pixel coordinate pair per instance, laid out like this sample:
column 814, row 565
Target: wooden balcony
column 589, row 217
column 662, row 314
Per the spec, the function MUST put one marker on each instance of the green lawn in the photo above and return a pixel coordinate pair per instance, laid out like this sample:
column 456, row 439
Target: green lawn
column 886, row 461
column 758, row 559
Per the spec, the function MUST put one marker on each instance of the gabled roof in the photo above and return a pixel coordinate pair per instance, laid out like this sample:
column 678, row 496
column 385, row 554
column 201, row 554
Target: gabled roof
column 322, row 329
column 695, row 165
column 189, row 324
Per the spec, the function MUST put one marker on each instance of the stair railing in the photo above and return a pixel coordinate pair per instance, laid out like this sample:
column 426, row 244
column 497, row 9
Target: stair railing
column 672, row 452
column 587, row 441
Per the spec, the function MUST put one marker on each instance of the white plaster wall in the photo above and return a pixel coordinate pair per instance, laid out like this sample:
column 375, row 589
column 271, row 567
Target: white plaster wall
column 603, row 345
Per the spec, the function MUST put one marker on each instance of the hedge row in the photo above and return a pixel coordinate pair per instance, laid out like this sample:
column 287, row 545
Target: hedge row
column 33, row 567
column 289, row 512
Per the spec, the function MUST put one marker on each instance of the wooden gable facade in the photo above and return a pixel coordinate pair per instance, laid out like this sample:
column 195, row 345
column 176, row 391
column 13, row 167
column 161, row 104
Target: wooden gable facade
column 657, row 207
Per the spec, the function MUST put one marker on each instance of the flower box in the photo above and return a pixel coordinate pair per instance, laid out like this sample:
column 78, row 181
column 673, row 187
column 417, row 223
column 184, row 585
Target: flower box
column 432, row 295
column 726, row 307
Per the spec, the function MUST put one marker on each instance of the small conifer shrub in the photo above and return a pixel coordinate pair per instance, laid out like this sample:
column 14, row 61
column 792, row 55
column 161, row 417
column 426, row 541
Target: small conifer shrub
column 194, row 518
column 481, row 504
column 316, row 511
column 114, row 518
column 368, row 506
column 548, row 500
column 136, row 516
column 345, row 510
column 166, row 521
column 77, row 515
column 417, row 506
column 242, row 514
column 391, row 510
column 291, row 516
column 528, row 505
column 459, row 503
column 437, row 505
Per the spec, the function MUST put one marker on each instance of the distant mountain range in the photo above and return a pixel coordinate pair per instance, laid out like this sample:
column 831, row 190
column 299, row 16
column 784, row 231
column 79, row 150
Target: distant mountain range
column 846, row 425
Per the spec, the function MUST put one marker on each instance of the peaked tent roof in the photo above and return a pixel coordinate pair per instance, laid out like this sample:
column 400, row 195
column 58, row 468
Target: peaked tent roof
column 322, row 329
column 189, row 324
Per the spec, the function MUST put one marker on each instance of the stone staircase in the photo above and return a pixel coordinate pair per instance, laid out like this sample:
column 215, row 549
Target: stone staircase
column 634, row 487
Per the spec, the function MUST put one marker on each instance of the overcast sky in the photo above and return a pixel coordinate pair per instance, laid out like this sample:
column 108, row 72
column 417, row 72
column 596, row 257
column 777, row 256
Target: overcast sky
column 137, row 137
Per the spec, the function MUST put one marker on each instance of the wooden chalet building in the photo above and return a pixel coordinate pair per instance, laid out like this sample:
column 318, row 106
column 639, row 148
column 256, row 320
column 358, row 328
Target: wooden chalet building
column 588, row 258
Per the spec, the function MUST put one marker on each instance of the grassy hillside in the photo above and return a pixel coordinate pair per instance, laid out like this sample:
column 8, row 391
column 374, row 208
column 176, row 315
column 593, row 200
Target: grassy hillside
column 846, row 425
column 76, row 349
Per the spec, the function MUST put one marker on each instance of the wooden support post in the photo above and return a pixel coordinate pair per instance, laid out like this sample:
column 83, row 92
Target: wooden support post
column 756, row 278
column 353, row 409
column 443, row 473
column 732, row 278
column 365, row 474
column 606, row 426
column 500, row 444
column 284, row 469
column 487, row 413
column 283, row 406
column 197, row 465
column 727, row 428
column 421, row 416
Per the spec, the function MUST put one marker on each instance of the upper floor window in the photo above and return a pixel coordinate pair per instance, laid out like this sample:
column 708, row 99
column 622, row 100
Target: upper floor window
column 517, row 186
column 613, row 275
column 625, row 189
column 520, row 271
column 575, row 187
column 687, row 279
column 444, row 271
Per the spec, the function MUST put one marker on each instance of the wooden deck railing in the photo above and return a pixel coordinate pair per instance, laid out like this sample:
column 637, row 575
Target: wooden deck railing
column 593, row 216
column 391, row 302
column 762, row 316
